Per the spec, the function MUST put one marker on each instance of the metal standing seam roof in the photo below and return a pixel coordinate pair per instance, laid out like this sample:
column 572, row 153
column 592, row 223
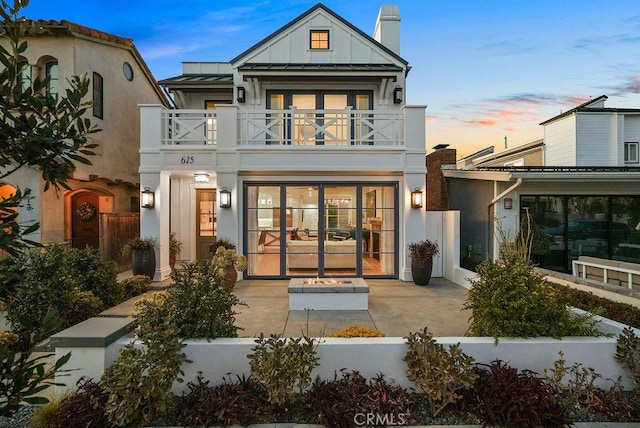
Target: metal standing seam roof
column 198, row 79
column 319, row 67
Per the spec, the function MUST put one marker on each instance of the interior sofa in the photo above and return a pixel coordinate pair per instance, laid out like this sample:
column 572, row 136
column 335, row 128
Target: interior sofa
column 338, row 254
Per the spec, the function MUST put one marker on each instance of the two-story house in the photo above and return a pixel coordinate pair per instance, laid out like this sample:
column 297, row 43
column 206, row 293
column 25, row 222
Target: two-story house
column 300, row 150
column 119, row 81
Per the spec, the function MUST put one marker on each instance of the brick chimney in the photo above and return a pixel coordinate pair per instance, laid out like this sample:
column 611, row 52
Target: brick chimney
column 437, row 195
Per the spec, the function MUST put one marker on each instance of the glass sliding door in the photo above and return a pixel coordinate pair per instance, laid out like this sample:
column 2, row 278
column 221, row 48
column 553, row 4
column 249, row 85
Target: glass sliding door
column 302, row 248
column 264, row 230
column 341, row 246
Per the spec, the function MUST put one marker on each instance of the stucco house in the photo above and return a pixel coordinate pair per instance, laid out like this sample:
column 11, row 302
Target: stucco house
column 585, row 196
column 119, row 81
column 300, row 150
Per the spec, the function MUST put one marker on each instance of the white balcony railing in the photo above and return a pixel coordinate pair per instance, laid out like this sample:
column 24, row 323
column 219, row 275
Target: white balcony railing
column 291, row 127
column 189, row 127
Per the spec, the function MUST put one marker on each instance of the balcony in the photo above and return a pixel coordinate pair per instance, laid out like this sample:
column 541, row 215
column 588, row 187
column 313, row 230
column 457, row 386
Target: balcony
column 290, row 127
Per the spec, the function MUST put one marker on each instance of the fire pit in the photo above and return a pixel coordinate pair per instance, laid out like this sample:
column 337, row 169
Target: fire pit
column 328, row 294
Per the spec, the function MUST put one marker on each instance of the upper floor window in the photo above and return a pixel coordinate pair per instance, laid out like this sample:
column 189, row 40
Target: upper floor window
column 98, row 96
column 319, row 39
column 631, row 152
column 24, row 76
column 51, row 70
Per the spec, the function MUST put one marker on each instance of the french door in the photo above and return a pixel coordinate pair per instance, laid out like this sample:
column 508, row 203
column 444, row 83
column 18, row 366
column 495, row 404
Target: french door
column 316, row 229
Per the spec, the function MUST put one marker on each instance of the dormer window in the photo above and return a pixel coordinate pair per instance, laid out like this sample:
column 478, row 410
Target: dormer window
column 319, row 39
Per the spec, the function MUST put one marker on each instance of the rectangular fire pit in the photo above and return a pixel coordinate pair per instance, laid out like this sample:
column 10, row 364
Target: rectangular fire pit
column 351, row 294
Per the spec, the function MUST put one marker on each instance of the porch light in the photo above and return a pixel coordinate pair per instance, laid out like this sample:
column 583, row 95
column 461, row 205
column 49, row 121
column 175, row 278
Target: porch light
column 240, row 94
column 146, row 198
column 416, row 198
column 508, row 203
column 397, row 95
column 225, row 198
column 201, row 178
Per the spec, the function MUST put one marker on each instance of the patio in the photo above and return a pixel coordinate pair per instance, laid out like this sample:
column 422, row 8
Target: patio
column 395, row 308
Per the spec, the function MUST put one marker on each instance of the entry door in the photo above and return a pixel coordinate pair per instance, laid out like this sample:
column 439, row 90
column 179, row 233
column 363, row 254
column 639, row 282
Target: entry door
column 205, row 221
column 85, row 222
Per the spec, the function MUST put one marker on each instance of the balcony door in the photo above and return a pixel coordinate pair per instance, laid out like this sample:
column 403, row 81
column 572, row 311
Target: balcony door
column 320, row 117
column 205, row 220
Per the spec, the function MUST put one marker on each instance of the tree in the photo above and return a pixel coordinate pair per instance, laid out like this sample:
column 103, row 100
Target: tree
column 38, row 130
column 48, row 133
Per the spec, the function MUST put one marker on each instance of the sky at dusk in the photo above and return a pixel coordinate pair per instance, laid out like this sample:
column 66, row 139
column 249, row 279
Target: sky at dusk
column 487, row 69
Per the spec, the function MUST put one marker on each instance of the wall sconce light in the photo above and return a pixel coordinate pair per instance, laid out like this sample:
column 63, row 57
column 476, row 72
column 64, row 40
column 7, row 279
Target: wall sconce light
column 225, row 198
column 508, row 203
column 201, row 178
column 416, row 198
column 397, row 95
column 240, row 94
column 146, row 198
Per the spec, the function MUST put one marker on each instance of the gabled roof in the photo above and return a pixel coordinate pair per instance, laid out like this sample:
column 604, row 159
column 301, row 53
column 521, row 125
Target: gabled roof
column 309, row 12
column 587, row 107
column 71, row 29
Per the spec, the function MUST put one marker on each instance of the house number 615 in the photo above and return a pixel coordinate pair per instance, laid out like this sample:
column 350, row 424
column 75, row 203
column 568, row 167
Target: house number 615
column 187, row 160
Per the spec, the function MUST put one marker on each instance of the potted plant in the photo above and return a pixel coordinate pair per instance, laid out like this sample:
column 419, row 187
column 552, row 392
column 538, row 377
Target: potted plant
column 175, row 247
column 226, row 258
column 143, row 256
column 422, row 254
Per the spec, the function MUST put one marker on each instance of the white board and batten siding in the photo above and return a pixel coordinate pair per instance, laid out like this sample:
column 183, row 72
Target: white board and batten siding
column 596, row 139
column 559, row 139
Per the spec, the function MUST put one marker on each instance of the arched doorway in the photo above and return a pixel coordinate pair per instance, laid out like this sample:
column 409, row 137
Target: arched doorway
column 85, row 219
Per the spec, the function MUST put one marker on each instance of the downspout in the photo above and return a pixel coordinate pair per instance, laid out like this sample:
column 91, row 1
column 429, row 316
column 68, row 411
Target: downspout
column 491, row 204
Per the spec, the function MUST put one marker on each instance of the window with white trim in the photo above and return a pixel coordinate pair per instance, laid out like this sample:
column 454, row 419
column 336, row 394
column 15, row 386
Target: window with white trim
column 631, row 152
column 51, row 70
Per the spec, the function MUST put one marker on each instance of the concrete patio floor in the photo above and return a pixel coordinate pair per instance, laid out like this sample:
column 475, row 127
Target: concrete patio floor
column 395, row 308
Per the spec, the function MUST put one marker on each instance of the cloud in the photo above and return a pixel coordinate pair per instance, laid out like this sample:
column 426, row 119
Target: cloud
column 592, row 42
column 631, row 85
column 513, row 46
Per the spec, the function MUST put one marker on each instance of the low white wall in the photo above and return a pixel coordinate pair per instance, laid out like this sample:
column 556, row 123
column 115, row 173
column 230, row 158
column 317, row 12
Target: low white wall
column 220, row 358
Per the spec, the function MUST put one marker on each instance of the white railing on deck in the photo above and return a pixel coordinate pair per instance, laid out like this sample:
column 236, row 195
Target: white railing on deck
column 189, row 127
column 291, row 127
column 297, row 127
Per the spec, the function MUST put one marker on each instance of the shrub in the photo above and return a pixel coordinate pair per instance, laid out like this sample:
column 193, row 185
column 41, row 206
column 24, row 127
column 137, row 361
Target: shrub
column 196, row 305
column 357, row 331
column 510, row 299
column 423, row 250
column 134, row 286
column 628, row 354
column 282, row 365
column 94, row 274
column 82, row 306
column 85, row 408
column 336, row 403
column 503, row 397
column 25, row 376
column 54, row 277
column 139, row 381
column 242, row 402
column 442, row 375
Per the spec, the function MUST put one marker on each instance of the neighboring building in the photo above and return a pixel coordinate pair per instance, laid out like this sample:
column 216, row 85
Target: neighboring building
column 120, row 80
column 588, row 206
column 308, row 134
column 593, row 135
column 530, row 153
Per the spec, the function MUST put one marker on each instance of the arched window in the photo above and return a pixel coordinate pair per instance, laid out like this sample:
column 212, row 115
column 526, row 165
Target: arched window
column 24, row 75
column 51, row 70
column 98, row 94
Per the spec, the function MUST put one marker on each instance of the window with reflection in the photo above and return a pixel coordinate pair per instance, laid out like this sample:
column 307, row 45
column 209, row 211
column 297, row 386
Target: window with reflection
column 51, row 70
column 322, row 230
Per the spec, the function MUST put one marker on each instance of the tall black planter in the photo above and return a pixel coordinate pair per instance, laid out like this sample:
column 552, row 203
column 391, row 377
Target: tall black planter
column 421, row 271
column 143, row 262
